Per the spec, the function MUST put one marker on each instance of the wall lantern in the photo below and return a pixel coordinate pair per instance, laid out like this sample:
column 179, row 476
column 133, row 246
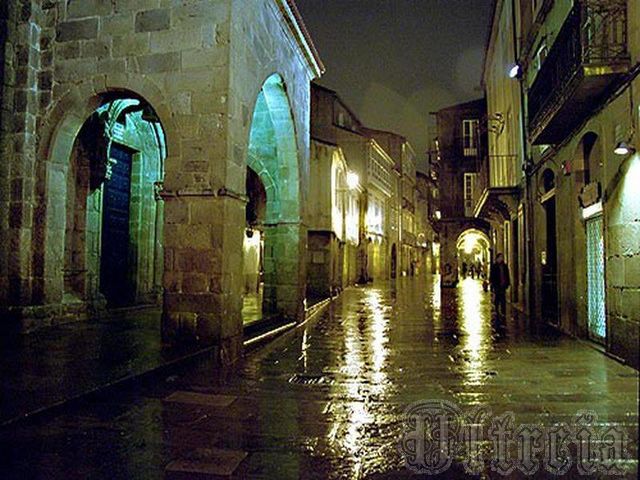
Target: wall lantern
column 624, row 148
column 515, row 71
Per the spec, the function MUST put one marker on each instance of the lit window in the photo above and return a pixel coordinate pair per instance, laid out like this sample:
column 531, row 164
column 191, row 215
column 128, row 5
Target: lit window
column 469, row 187
column 469, row 137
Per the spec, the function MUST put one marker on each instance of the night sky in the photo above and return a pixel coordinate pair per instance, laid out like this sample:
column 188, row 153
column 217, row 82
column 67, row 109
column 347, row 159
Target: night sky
column 394, row 61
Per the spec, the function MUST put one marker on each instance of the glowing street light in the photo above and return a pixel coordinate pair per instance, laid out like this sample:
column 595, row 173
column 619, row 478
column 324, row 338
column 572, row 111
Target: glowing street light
column 623, row 148
column 515, row 71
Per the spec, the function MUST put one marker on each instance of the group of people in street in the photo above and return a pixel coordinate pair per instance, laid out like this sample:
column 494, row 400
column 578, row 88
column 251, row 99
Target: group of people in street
column 499, row 281
column 473, row 270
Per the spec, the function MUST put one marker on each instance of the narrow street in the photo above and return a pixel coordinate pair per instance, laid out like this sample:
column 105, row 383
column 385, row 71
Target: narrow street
column 326, row 400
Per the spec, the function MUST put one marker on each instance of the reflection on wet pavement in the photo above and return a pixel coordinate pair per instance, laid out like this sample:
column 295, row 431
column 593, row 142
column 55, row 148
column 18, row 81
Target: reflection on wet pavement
column 326, row 401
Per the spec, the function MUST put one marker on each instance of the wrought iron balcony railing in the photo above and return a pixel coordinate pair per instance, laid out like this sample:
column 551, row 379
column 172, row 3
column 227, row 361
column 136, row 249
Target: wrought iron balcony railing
column 589, row 51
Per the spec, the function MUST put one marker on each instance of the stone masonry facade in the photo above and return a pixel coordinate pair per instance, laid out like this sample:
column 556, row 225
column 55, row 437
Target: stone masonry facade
column 201, row 66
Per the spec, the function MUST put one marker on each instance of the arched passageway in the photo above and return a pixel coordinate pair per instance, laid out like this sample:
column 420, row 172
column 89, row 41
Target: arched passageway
column 253, row 249
column 273, row 169
column 113, row 216
column 474, row 254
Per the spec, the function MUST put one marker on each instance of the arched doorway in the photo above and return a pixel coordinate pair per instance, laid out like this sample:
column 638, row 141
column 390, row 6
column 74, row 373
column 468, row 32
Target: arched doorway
column 113, row 216
column 273, row 157
column 473, row 249
column 253, row 248
column 549, row 257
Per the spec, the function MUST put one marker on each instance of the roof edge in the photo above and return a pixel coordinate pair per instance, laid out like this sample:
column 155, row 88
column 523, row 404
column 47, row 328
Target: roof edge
column 302, row 36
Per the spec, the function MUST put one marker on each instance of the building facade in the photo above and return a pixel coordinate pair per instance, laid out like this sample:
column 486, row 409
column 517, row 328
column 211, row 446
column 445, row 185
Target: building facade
column 371, row 182
column 380, row 195
column 426, row 237
column 569, row 120
column 500, row 184
column 127, row 133
column 410, row 248
column 336, row 199
column 384, row 165
column 402, row 251
column 461, row 144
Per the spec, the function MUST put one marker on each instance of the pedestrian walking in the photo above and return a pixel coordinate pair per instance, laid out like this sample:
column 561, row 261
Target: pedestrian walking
column 500, row 281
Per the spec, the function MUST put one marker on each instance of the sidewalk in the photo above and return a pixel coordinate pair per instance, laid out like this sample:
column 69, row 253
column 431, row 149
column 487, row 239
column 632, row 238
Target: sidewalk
column 327, row 400
column 47, row 368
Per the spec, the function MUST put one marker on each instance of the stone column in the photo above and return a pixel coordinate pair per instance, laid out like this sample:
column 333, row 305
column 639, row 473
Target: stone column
column 448, row 255
column 285, row 270
column 203, row 271
column 20, row 35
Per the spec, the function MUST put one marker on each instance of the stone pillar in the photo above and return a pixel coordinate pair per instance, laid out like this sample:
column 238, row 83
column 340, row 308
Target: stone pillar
column 285, row 270
column 320, row 261
column 203, row 271
column 448, row 255
column 20, row 35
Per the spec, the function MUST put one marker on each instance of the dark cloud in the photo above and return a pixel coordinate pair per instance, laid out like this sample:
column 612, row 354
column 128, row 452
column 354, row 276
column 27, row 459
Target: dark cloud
column 394, row 61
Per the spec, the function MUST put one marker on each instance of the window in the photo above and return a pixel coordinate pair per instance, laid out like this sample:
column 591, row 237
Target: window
column 469, row 137
column 469, row 187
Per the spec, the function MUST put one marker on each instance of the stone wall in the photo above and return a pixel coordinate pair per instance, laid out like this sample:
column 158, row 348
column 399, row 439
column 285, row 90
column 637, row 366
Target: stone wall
column 616, row 175
column 200, row 64
column 322, row 258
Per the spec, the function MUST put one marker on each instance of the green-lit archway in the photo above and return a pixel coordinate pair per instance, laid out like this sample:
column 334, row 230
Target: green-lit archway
column 113, row 227
column 273, row 156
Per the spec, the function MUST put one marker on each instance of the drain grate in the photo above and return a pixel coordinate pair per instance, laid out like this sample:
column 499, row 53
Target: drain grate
column 310, row 379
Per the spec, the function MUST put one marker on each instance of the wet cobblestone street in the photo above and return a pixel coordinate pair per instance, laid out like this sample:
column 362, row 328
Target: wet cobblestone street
column 326, row 400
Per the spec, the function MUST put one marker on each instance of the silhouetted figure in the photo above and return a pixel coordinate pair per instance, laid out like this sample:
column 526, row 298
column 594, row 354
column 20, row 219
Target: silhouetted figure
column 464, row 269
column 500, row 281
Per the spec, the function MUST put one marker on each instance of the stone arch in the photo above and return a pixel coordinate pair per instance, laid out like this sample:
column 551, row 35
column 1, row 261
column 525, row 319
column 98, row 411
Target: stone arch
column 547, row 180
column 59, row 132
column 474, row 244
column 449, row 235
column 273, row 150
column 273, row 156
column 588, row 159
column 481, row 237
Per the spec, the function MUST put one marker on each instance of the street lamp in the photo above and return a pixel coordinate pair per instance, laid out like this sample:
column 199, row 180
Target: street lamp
column 515, row 71
column 623, row 148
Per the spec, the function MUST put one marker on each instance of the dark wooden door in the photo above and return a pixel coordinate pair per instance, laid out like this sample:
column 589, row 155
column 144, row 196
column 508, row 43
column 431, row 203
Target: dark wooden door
column 114, row 262
column 394, row 261
column 550, row 304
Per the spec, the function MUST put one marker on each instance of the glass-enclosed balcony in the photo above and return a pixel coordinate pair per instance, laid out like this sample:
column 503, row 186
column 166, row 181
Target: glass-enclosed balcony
column 587, row 57
column 497, row 185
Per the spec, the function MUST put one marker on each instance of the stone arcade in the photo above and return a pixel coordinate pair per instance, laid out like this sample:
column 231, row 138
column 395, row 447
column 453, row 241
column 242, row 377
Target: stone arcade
column 127, row 130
